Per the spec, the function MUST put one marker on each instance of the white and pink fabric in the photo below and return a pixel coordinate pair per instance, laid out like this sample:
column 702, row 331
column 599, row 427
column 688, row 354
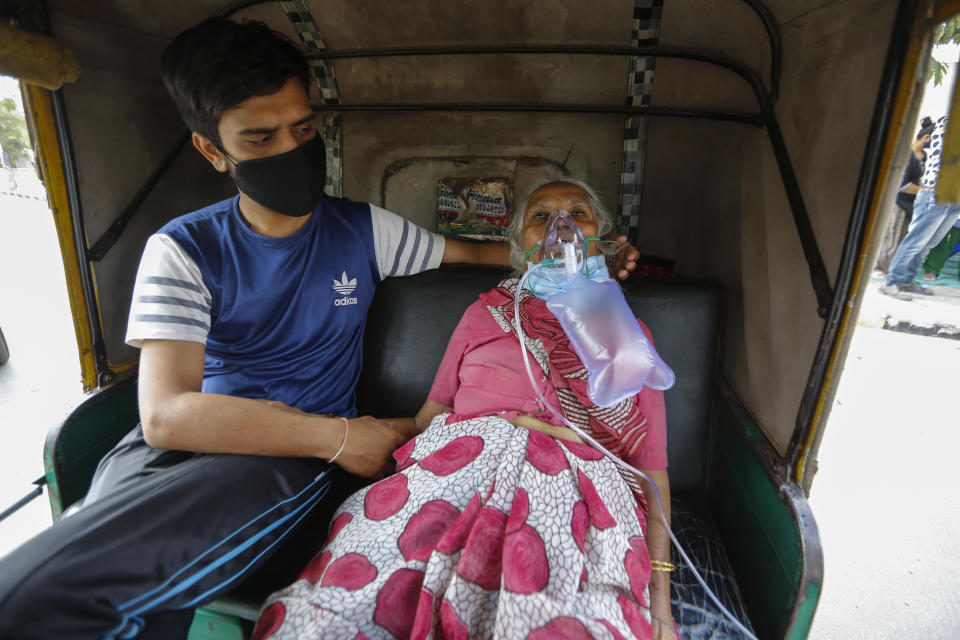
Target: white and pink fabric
column 486, row 531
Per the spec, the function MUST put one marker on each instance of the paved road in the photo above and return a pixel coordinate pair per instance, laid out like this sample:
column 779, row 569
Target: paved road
column 885, row 498
column 938, row 314
column 41, row 381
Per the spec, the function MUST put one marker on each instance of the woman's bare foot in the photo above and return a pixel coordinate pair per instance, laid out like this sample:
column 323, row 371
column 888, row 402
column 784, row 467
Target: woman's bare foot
column 929, row 276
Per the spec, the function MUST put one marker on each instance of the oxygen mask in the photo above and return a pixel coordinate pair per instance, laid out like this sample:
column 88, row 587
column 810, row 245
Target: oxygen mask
column 563, row 245
column 564, row 253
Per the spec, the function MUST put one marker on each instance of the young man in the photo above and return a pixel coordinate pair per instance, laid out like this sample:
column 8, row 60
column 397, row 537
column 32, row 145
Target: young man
column 909, row 187
column 250, row 315
column 931, row 223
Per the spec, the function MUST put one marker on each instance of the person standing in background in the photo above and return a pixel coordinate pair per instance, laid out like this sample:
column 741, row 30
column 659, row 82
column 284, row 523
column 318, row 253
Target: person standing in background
column 909, row 186
column 939, row 255
column 930, row 224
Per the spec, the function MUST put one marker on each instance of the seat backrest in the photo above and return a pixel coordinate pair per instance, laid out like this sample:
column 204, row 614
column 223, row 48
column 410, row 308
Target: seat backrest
column 411, row 320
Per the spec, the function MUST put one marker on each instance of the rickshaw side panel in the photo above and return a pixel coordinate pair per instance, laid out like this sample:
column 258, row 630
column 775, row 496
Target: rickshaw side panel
column 766, row 525
column 725, row 215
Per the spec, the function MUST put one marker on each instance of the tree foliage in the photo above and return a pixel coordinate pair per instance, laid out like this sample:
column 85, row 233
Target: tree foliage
column 949, row 33
column 14, row 139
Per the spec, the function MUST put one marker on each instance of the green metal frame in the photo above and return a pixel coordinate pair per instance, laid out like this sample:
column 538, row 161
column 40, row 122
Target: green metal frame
column 211, row 625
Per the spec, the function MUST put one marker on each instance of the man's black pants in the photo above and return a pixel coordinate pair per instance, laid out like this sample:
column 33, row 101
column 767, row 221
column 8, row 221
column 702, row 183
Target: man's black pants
column 161, row 532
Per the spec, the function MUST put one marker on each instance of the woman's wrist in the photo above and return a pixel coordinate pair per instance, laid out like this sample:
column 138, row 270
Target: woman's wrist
column 660, row 593
column 667, row 628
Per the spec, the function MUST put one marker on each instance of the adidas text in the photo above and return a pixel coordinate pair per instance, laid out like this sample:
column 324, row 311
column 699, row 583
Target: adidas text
column 342, row 302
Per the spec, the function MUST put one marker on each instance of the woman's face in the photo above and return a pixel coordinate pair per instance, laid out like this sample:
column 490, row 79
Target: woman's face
column 549, row 198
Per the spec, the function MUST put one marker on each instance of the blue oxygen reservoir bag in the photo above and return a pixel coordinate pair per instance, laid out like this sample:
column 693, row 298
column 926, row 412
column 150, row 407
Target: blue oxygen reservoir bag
column 594, row 315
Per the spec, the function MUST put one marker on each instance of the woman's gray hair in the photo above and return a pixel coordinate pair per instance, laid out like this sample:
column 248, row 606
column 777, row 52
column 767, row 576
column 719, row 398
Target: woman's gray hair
column 600, row 212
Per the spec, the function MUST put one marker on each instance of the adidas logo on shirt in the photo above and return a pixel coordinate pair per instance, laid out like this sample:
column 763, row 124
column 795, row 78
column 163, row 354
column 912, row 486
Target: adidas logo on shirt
column 345, row 287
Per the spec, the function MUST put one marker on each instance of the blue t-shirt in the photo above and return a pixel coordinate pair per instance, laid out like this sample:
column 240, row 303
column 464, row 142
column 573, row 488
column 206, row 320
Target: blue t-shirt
column 281, row 318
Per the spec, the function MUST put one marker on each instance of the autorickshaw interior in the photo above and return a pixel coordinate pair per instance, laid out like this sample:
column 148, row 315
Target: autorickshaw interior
column 743, row 146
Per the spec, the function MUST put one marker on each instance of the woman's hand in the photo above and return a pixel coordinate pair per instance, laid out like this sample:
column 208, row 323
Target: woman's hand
column 661, row 618
column 663, row 628
column 427, row 413
column 529, row 422
column 406, row 427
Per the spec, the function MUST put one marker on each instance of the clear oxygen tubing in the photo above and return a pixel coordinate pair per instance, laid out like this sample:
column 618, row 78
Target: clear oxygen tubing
column 599, row 447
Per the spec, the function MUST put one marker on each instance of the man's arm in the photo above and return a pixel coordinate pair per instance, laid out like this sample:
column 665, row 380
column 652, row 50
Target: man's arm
column 498, row 254
column 175, row 414
column 911, row 188
column 463, row 252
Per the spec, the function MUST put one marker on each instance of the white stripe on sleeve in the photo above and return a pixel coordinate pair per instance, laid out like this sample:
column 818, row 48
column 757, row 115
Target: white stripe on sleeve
column 170, row 299
column 402, row 248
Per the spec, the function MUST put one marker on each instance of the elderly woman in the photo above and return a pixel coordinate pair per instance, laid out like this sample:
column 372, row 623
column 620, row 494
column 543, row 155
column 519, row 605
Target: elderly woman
column 500, row 522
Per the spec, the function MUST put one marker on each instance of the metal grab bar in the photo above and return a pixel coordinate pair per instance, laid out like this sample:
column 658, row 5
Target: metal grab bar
column 763, row 96
column 22, row 502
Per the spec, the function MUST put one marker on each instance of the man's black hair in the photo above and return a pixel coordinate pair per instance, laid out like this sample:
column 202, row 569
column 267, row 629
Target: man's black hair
column 214, row 66
column 926, row 127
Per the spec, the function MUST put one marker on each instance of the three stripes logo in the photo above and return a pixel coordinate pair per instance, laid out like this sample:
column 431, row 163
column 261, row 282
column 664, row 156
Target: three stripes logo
column 345, row 286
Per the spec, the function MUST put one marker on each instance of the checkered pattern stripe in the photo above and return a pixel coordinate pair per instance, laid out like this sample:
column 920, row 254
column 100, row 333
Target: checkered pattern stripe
column 309, row 34
column 333, row 138
column 332, row 129
column 644, row 31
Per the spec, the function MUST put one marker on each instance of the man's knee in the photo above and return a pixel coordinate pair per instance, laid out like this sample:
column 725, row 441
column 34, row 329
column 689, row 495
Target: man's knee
column 49, row 597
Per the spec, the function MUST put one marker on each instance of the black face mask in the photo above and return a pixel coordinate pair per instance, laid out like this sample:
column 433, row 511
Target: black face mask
column 290, row 183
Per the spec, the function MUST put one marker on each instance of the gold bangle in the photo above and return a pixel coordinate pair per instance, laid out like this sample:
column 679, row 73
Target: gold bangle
column 660, row 565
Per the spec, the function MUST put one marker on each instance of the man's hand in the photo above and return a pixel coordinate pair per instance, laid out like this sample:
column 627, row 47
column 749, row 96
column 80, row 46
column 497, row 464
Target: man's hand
column 625, row 260
column 369, row 448
column 406, row 427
